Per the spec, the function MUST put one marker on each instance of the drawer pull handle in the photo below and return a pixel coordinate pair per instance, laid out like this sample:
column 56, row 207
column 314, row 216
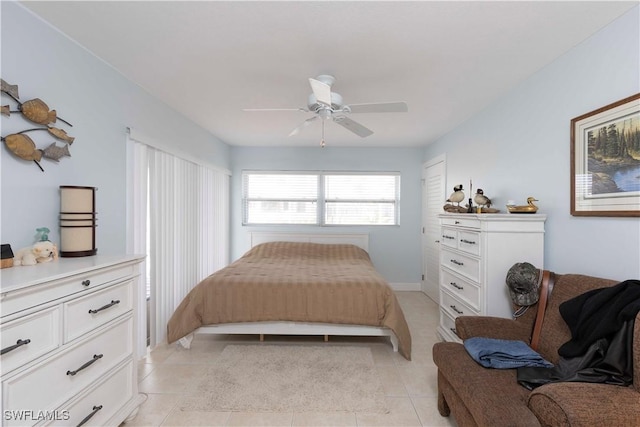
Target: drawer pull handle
column 86, row 282
column 18, row 343
column 104, row 307
column 455, row 285
column 456, row 262
column 454, row 331
column 469, row 242
column 444, row 236
column 456, row 222
column 453, row 307
column 88, row 417
column 95, row 358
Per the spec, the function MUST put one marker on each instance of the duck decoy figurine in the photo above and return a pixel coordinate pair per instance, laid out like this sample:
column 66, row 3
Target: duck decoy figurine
column 528, row 208
column 457, row 196
column 481, row 199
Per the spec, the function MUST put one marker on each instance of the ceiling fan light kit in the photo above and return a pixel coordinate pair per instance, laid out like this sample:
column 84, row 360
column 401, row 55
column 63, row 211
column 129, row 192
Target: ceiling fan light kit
column 328, row 105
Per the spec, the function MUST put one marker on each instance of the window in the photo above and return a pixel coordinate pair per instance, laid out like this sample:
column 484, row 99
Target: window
column 321, row 198
column 356, row 199
column 280, row 198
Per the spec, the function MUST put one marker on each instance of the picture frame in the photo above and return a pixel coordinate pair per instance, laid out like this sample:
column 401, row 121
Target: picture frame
column 605, row 160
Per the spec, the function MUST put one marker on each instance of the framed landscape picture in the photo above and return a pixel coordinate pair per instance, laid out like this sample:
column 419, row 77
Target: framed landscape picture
column 605, row 160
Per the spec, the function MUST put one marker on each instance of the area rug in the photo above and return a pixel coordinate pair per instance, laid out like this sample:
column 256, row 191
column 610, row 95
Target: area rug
column 284, row 378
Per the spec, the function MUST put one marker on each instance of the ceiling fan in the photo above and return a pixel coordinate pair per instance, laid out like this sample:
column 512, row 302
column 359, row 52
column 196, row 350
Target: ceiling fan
column 328, row 105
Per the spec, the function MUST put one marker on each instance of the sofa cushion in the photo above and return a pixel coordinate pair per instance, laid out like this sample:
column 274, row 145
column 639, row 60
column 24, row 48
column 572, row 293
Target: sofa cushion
column 555, row 331
column 572, row 404
column 500, row 392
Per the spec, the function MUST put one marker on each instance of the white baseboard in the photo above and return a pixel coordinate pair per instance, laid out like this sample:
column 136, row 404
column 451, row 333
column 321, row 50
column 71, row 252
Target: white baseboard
column 405, row 286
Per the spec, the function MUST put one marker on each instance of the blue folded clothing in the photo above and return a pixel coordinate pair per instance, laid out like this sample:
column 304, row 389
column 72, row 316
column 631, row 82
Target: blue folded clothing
column 503, row 354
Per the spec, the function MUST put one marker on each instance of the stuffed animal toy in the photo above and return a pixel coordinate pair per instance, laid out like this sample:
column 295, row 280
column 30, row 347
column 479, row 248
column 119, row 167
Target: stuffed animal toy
column 43, row 251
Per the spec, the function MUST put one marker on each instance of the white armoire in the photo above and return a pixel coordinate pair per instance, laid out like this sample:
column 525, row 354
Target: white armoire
column 476, row 251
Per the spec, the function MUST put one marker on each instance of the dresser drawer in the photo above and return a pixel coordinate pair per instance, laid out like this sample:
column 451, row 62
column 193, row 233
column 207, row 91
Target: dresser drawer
column 460, row 263
column 469, row 241
column 455, row 307
column 41, row 293
column 448, row 325
column 449, row 237
column 461, row 222
column 103, row 401
column 41, row 332
column 461, row 288
column 51, row 383
column 466, row 241
column 91, row 311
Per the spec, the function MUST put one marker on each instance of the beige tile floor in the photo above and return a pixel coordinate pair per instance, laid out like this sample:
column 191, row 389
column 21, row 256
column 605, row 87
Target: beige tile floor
column 410, row 386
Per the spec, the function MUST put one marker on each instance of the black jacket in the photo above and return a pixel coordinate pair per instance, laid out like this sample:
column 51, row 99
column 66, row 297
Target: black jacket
column 597, row 314
column 601, row 322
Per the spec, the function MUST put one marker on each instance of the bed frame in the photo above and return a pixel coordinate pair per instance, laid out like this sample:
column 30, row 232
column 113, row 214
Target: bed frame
column 298, row 328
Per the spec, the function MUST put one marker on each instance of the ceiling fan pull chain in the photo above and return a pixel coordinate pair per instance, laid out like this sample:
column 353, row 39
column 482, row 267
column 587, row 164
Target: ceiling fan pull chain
column 322, row 140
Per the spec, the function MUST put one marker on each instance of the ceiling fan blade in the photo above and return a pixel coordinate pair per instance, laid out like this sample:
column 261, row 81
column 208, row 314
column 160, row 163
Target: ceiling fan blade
column 354, row 127
column 276, row 109
column 322, row 91
column 302, row 126
column 380, row 107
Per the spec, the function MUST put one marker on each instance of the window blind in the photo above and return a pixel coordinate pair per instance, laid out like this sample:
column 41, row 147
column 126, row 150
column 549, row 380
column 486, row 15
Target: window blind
column 186, row 233
column 356, row 199
column 280, row 198
column 321, row 198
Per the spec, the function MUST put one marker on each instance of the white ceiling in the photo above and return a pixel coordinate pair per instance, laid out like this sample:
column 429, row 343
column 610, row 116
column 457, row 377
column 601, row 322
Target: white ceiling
column 210, row 59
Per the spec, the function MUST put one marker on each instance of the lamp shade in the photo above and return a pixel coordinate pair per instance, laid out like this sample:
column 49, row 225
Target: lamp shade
column 77, row 221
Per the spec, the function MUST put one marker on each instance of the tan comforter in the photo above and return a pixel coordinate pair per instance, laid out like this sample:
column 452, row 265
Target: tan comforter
column 290, row 281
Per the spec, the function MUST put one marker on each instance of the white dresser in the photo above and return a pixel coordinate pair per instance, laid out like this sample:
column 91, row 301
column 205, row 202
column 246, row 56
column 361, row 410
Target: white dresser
column 476, row 251
column 68, row 332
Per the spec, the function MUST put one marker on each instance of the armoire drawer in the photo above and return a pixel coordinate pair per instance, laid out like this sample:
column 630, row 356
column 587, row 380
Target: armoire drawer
column 461, row 222
column 101, row 402
column 455, row 307
column 469, row 242
column 38, row 294
column 460, row 263
column 29, row 337
column 449, row 237
column 466, row 241
column 94, row 310
column 463, row 289
column 448, row 324
column 54, row 381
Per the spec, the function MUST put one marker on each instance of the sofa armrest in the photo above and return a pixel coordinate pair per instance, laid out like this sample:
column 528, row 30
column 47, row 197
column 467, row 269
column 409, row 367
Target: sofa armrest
column 585, row 404
column 492, row 327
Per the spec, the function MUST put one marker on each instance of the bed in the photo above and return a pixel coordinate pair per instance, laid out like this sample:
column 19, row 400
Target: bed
column 291, row 284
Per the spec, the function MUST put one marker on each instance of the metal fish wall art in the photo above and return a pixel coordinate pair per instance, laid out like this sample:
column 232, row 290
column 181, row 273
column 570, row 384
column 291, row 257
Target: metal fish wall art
column 11, row 90
column 23, row 147
column 54, row 152
column 58, row 133
column 61, row 134
column 36, row 111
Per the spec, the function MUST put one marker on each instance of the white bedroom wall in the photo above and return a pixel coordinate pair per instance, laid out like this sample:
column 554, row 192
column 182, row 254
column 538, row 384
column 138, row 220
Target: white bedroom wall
column 395, row 250
column 100, row 104
column 519, row 147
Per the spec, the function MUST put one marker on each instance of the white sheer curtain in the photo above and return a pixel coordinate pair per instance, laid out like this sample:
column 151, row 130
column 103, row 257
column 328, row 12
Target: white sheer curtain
column 188, row 211
column 137, row 185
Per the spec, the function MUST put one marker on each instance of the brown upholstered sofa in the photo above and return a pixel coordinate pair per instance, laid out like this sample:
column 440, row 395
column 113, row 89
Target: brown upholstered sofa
column 478, row 396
